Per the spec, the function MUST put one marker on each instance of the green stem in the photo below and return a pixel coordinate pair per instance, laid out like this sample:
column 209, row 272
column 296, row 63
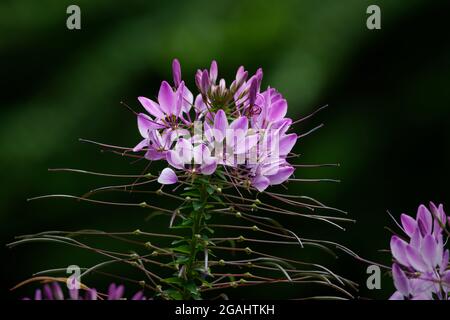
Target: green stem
column 197, row 217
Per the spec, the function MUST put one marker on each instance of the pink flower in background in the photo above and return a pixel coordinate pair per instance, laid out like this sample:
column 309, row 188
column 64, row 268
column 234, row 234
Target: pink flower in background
column 53, row 291
column 420, row 269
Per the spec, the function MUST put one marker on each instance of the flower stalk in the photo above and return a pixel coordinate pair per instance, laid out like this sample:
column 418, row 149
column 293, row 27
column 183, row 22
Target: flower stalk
column 221, row 150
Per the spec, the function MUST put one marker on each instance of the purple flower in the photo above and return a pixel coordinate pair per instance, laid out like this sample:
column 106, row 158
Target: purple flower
column 273, row 109
column 171, row 109
column 53, row 291
column 410, row 288
column 421, row 261
column 241, row 127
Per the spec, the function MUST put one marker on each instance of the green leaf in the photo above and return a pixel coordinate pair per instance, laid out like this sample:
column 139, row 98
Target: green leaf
column 173, row 280
column 197, row 205
column 175, row 242
column 210, row 189
column 192, row 288
column 207, row 216
column 209, row 229
column 221, row 175
column 173, row 294
column 181, row 260
column 217, row 198
column 183, row 249
column 193, row 193
column 181, row 226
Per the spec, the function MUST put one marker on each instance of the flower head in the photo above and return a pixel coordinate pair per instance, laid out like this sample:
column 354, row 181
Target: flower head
column 243, row 131
column 421, row 262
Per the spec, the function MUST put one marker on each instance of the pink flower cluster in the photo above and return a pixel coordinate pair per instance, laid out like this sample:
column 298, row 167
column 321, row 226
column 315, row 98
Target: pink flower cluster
column 53, row 291
column 420, row 269
column 238, row 129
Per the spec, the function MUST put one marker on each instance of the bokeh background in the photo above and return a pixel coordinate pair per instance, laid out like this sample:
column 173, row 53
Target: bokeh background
column 387, row 123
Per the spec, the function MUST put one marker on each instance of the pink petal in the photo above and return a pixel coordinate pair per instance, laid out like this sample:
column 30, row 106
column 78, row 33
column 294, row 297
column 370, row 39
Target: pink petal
column 151, row 107
column 444, row 262
column 251, row 141
column 119, row 292
column 167, row 98
column 446, row 278
column 48, row 293
column 167, row 176
column 91, row 294
column 439, row 218
column 287, row 143
column 200, row 106
column 179, row 99
column 145, row 125
column 240, row 123
column 198, row 154
column 141, row 145
column 208, row 132
column 58, row 294
column 236, row 134
column 220, row 125
column 259, row 76
column 138, row 296
column 188, row 99
column 281, row 176
column 271, row 166
column 38, row 294
column 176, row 70
column 282, row 125
column 401, row 282
column 209, row 166
column 205, row 82
column 397, row 296
column 241, row 75
column 154, row 154
column 424, row 219
column 409, row 224
column 213, row 71
column 415, row 259
column 416, row 239
column 260, row 183
column 278, row 110
column 174, row 159
column 175, row 135
column 185, row 150
column 430, row 251
column 398, row 249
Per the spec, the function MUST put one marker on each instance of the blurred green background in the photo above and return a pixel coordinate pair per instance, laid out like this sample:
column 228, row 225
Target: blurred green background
column 387, row 121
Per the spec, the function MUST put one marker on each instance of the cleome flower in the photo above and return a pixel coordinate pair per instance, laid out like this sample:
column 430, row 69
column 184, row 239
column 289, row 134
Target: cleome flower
column 221, row 148
column 53, row 291
column 420, row 269
column 239, row 130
